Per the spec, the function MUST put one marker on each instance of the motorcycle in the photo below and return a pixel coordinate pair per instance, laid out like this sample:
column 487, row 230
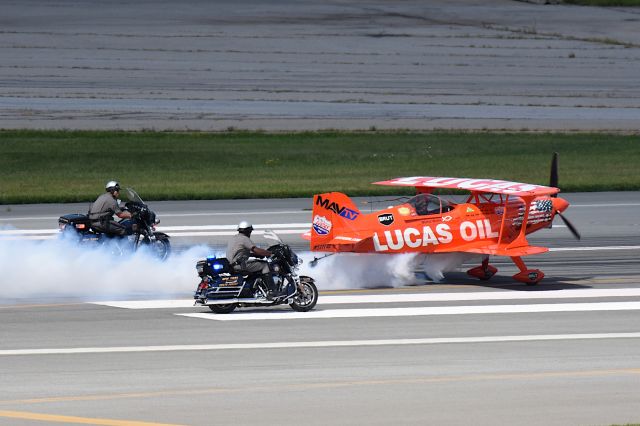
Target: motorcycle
column 223, row 290
column 142, row 223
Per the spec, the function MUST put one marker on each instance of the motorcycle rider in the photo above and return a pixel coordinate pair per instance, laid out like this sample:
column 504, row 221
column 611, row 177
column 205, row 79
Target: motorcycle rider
column 240, row 248
column 102, row 211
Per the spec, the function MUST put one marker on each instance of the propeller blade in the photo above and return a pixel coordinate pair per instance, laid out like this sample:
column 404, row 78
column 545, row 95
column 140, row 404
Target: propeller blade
column 572, row 228
column 553, row 179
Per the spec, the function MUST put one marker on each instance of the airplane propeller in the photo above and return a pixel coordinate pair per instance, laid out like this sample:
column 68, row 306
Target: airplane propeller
column 553, row 182
column 572, row 228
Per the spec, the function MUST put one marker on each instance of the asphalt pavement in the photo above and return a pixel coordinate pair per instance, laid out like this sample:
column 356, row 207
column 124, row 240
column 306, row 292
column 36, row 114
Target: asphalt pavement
column 305, row 65
column 564, row 352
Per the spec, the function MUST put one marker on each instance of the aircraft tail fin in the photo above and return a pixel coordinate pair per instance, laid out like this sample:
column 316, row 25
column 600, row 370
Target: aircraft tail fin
column 334, row 222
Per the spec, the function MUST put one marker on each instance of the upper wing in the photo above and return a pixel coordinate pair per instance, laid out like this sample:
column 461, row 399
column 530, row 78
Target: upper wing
column 475, row 185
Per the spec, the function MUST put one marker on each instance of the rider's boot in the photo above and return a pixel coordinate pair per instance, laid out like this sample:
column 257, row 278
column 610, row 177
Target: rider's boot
column 271, row 285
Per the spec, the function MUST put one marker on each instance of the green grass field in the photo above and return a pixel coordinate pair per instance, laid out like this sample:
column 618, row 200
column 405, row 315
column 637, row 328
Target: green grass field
column 73, row 166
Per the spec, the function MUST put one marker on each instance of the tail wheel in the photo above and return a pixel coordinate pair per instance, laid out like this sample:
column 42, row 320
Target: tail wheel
column 307, row 295
column 223, row 309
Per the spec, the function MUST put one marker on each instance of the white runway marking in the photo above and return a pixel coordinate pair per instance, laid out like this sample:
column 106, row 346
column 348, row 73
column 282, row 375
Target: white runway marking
column 419, row 311
column 301, row 212
column 319, row 344
column 174, row 231
column 409, row 297
column 595, row 248
column 253, row 213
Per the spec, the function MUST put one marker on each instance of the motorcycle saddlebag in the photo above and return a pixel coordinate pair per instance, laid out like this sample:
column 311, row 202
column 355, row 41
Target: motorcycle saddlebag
column 79, row 222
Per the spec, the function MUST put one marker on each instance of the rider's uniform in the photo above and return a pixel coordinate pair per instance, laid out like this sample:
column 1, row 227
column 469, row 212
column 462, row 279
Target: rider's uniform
column 238, row 252
column 101, row 215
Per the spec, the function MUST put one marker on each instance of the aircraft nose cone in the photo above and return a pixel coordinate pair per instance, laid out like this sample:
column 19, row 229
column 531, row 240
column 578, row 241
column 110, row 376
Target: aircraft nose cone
column 560, row 204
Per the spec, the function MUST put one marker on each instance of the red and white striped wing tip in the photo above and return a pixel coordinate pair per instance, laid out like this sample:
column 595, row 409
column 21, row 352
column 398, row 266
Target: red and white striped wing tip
column 494, row 186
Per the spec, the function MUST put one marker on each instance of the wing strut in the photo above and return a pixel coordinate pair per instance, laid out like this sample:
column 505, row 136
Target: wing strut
column 504, row 217
column 521, row 239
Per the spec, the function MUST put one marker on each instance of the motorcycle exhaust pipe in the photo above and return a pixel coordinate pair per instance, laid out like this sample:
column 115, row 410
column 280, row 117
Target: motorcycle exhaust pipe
column 237, row 300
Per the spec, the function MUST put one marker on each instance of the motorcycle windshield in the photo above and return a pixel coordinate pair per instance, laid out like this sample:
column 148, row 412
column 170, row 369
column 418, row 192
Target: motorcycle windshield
column 133, row 196
column 270, row 235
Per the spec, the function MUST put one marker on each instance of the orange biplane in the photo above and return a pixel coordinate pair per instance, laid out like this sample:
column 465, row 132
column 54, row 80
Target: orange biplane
column 494, row 220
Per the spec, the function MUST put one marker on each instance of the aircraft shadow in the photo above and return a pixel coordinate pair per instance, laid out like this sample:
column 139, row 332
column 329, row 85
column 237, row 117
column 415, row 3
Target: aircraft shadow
column 549, row 283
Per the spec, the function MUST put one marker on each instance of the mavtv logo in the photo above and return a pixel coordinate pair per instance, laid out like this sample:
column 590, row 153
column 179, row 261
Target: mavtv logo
column 336, row 208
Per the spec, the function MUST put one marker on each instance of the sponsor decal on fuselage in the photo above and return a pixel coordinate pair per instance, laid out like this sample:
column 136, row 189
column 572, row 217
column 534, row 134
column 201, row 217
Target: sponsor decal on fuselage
column 385, row 219
column 321, row 225
column 337, row 209
column 400, row 239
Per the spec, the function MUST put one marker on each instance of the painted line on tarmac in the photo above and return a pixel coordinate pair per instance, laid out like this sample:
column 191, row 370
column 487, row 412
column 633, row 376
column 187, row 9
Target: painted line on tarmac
column 175, row 231
column 419, row 311
column 405, row 298
column 191, row 228
column 595, row 248
column 254, row 213
column 306, row 212
column 301, row 211
column 55, row 418
column 320, row 344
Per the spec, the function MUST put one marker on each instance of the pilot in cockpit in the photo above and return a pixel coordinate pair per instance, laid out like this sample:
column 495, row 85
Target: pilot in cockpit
column 427, row 204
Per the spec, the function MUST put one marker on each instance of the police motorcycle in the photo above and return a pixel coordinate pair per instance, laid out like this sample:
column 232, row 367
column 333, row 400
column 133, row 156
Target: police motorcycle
column 223, row 290
column 142, row 225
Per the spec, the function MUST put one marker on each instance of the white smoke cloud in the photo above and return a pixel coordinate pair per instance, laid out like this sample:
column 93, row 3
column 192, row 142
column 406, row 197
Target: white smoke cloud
column 50, row 269
column 353, row 271
column 435, row 265
column 43, row 271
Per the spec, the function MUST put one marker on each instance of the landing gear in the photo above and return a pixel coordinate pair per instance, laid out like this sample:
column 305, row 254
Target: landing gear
column 527, row 276
column 484, row 271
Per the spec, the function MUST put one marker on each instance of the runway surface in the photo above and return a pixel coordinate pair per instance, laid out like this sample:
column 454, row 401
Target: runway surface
column 305, row 65
column 456, row 352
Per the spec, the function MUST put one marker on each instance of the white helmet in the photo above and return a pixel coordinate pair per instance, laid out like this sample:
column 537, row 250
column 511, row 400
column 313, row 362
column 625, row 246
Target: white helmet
column 112, row 186
column 245, row 228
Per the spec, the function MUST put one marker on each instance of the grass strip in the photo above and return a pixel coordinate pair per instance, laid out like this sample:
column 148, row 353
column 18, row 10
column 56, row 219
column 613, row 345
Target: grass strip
column 72, row 166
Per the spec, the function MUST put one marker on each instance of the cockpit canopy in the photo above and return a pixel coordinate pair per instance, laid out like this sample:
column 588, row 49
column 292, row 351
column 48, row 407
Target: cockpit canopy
column 426, row 204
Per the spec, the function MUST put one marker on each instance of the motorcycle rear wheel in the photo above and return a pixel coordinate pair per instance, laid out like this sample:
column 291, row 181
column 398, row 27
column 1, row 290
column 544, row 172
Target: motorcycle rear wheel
column 307, row 296
column 223, row 309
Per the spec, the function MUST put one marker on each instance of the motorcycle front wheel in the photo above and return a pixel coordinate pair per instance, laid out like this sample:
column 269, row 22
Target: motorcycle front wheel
column 307, row 295
column 223, row 309
column 159, row 245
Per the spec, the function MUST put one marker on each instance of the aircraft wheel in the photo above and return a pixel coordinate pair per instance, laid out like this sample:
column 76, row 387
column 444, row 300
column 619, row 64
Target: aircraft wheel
column 530, row 276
